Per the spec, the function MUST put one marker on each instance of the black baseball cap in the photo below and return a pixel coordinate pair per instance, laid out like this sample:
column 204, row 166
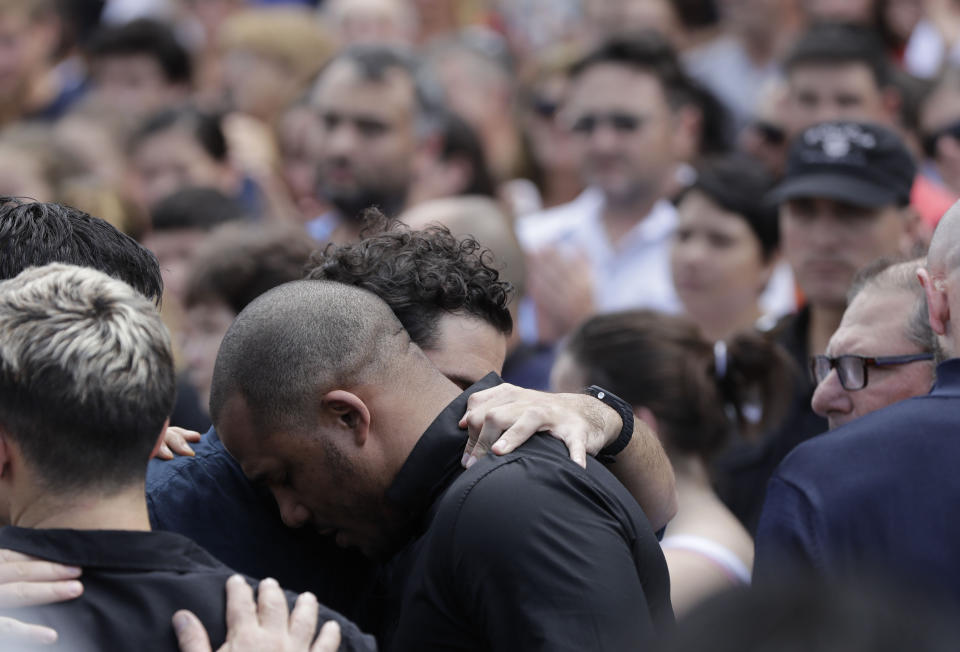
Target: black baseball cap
column 853, row 162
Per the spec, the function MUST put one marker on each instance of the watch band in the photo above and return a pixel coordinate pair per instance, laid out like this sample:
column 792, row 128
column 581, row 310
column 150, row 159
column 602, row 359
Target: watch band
column 625, row 411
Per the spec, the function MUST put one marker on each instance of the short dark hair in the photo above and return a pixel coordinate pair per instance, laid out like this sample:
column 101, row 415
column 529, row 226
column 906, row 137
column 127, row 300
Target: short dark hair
column 205, row 128
column 86, row 376
column 239, row 262
column 299, row 338
column 739, row 185
column 146, row 37
column 422, row 275
column 839, row 43
column 663, row 363
column 37, row 233
column 374, row 62
column 194, row 208
column 649, row 51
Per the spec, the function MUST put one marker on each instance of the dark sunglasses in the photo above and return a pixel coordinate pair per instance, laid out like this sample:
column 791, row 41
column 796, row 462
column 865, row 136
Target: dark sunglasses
column 769, row 132
column 623, row 123
column 930, row 140
column 852, row 369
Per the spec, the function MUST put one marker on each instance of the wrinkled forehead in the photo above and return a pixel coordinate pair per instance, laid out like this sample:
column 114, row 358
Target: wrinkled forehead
column 874, row 324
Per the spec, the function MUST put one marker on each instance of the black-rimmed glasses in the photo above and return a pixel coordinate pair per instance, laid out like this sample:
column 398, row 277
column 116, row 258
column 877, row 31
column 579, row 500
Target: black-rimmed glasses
column 852, row 369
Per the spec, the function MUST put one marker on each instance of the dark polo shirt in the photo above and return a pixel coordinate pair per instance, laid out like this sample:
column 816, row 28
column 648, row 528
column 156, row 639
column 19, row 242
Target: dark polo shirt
column 133, row 583
column 526, row 551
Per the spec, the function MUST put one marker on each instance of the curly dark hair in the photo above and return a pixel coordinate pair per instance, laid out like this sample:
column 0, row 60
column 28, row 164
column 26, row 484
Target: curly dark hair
column 422, row 275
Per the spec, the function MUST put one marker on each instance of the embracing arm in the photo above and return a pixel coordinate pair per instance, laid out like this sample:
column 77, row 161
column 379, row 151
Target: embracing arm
column 501, row 418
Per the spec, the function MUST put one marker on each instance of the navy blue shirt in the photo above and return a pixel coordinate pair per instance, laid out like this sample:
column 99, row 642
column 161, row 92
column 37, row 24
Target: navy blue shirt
column 208, row 499
column 878, row 496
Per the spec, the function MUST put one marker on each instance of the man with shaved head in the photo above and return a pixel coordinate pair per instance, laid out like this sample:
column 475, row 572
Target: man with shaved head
column 319, row 393
column 876, row 495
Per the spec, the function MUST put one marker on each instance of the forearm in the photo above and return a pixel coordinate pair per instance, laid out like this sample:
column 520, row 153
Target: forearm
column 644, row 469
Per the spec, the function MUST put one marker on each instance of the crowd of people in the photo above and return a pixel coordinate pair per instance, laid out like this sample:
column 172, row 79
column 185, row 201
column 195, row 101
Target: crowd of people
column 479, row 324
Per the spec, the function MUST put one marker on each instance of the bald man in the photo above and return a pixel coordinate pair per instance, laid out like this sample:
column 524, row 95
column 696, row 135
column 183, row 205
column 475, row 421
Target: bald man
column 876, row 496
column 319, row 393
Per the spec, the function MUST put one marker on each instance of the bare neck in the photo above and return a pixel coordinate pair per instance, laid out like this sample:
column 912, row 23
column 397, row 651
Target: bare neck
column 619, row 219
column 122, row 510
column 721, row 326
column 824, row 321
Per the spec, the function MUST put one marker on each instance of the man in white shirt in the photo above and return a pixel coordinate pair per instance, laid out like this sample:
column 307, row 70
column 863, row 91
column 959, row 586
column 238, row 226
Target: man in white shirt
column 608, row 249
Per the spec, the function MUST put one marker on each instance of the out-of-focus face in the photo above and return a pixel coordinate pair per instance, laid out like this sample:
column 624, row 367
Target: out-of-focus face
column 172, row 160
column 552, row 146
column 873, row 325
column 257, row 85
column 298, row 136
column 467, row 349
column 827, row 241
column 174, row 250
column 751, row 16
column 606, row 18
column 938, row 117
column 383, row 22
column 622, row 121
column 845, row 91
column 839, row 11
column 204, row 326
column 18, row 58
column 134, row 85
column 717, row 261
column 566, row 375
column 367, row 139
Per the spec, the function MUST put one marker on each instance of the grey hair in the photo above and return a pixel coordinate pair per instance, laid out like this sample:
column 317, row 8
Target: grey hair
column 888, row 275
column 86, row 375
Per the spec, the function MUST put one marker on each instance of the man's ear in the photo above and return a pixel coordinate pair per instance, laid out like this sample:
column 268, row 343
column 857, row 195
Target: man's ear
column 350, row 412
column 938, row 308
column 159, row 442
column 7, row 453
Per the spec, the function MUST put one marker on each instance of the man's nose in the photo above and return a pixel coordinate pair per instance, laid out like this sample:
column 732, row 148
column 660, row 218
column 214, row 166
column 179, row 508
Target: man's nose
column 830, row 397
column 291, row 511
column 341, row 140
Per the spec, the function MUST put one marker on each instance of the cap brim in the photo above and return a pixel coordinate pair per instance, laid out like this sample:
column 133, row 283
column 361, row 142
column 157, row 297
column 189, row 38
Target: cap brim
column 832, row 186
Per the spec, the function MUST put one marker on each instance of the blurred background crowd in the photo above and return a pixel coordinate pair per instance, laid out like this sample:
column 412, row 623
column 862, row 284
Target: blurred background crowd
column 613, row 155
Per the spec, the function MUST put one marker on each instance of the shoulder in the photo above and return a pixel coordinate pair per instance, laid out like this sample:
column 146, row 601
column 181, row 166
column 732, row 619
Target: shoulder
column 537, row 488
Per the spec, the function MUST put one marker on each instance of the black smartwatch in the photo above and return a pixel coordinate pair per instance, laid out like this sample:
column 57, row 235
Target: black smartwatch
column 623, row 408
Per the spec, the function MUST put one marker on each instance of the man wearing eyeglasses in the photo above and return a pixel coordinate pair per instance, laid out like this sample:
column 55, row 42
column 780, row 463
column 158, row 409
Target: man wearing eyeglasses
column 843, row 203
column 876, row 496
column 884, row 350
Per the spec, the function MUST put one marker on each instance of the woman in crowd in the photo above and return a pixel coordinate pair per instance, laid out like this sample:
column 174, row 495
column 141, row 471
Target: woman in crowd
column 725, row 251
column 694, row 394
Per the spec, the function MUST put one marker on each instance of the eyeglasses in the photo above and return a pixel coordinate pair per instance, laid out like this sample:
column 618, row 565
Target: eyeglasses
column 930, row 140
column 852, row 369
column 623, row 123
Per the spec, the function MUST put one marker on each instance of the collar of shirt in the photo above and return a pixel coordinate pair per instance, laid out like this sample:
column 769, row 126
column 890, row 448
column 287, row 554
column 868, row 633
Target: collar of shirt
column 435, row 460
column 948, row 378
column 109, row 549
column 655, row 227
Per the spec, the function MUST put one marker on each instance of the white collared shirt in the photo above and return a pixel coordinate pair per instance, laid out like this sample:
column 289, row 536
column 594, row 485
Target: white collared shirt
column 634, row 272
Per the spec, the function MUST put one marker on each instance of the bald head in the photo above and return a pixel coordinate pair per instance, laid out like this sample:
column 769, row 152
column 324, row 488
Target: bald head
column 482, row 219
column 944, row 253
column 299, row 340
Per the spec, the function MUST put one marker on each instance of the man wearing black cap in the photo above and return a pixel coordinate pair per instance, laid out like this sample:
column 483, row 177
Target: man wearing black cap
column 843, row 202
